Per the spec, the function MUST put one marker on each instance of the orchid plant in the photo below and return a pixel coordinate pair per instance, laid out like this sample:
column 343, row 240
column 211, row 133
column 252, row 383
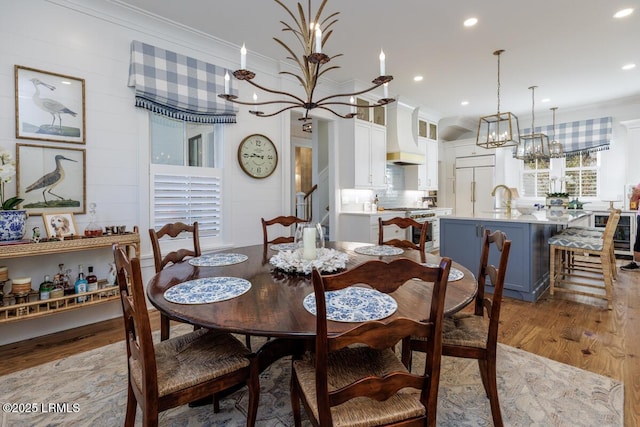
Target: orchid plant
column 7, row 172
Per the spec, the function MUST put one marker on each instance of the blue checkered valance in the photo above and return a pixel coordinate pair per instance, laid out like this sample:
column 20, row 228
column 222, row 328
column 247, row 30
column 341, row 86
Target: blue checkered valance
column 178, row 86
column 581, row 136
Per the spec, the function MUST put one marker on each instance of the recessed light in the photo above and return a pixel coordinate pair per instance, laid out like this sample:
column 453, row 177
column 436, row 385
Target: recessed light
column 628, row 66
column 622, row 13
column 545, row 100
column 470, row 22
column 464, row 103
column 418, row 78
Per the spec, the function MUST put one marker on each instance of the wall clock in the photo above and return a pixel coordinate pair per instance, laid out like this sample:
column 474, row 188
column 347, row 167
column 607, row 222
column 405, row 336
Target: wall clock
column 257, row 156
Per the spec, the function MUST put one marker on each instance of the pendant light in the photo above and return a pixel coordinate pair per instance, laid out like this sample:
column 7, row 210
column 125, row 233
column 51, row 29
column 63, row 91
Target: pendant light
column 555, row 146
column 500, row 129
column 533, row 145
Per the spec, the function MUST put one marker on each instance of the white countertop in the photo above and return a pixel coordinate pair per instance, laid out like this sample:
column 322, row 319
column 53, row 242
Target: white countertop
column 543, row 216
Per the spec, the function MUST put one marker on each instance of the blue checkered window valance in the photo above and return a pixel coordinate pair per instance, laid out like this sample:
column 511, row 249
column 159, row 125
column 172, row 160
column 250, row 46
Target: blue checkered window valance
column 178, row 86
column 580, row 136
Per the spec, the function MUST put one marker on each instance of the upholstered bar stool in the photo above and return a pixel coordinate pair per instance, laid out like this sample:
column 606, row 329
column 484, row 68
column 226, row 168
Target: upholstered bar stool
column 584, row 264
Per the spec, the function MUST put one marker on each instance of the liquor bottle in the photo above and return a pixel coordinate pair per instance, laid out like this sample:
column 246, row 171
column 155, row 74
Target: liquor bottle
column 45, row 287
column 92, row 280
column 65, row 280
column 81, row 284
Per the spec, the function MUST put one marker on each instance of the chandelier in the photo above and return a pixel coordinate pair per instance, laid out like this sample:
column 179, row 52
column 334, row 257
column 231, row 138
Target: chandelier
column 500, row 129
column 312, row 63
column 533, row 145
column 555, row 147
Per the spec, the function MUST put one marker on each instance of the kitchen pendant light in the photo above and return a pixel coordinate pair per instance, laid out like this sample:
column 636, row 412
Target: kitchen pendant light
column 533, row 145
column 555, row 146
column 500, row 129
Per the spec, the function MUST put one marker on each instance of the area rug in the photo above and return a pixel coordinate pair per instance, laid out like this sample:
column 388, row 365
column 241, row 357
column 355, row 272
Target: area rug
column 89, row 389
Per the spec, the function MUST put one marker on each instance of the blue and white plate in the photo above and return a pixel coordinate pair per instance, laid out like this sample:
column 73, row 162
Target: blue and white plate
column 218, row 260
column 354, row 304
column 379, row 250
column 206, row 290
column 284, row 247
column 454, row 273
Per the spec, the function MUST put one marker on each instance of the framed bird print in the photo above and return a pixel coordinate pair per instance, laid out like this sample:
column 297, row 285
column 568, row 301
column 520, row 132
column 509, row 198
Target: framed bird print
column 51, row 179
column 49, row 106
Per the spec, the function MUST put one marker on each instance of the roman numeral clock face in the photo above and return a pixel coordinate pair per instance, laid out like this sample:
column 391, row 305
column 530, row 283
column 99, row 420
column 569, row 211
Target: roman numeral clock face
column 257, row 156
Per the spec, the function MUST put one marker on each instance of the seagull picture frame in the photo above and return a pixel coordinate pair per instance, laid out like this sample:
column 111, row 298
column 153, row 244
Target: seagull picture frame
column 51, row 179
column 49, row 106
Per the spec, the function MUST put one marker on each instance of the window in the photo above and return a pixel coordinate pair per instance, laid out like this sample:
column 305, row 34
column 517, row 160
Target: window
column 581, row 171
column 535, row 177
column 186, row 174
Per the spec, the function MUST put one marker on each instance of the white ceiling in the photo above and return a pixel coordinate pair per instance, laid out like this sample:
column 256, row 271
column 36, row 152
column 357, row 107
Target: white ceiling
column 573, row 50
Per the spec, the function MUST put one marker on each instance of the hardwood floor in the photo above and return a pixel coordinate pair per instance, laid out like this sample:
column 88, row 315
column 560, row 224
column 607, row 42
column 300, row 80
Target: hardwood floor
column 570, row 329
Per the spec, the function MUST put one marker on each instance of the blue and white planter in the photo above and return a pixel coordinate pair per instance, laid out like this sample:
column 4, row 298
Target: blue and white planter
column 13, row 224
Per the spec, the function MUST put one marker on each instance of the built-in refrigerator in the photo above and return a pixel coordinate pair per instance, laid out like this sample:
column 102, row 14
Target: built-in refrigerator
column 474, row 181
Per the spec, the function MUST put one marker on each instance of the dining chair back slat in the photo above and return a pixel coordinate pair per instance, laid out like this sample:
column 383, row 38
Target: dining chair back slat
column 284, row 221
column 172, row 230
column 403, row 224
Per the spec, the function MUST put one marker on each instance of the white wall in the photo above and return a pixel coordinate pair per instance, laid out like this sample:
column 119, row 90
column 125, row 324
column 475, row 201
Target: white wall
column 90, row 39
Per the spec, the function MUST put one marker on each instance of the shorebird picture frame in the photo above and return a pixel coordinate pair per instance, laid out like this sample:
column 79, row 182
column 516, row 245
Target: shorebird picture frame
column 49, row 106
column 51, row 179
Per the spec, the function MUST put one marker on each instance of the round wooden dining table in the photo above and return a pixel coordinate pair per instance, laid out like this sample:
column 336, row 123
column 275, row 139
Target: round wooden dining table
column 273, row 306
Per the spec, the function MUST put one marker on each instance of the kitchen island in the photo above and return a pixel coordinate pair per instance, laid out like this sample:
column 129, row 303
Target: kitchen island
column 528, row 271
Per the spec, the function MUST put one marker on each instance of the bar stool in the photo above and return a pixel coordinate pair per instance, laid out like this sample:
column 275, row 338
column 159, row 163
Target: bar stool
column 583, row 263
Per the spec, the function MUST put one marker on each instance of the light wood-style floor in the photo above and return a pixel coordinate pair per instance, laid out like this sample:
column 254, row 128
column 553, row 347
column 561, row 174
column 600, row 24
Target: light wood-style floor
column 574, row 330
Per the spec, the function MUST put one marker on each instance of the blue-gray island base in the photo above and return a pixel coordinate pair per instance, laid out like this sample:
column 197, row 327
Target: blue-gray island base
column 528, row 269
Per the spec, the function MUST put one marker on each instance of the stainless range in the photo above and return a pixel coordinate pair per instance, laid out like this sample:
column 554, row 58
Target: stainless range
column 422, row 216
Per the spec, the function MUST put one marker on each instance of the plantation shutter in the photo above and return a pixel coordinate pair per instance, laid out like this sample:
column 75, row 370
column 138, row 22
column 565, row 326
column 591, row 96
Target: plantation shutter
column 188, row 198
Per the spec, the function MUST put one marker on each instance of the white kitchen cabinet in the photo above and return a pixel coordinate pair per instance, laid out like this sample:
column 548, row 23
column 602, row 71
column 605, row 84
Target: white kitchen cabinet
column 440, row 212
column 425, row 176
column 474, row 182
column 363, row 155
column 362, row 227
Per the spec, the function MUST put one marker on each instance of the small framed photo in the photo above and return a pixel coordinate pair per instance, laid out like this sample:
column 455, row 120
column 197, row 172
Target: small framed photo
column 61, row 224
column 49, row 106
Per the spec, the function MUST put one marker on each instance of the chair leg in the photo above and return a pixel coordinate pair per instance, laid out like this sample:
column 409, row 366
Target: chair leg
column 608, row 279
column 164, row 327
column 254, row 395
column 295, row 403
column 489, row 374
column 552, row 269
column 247, row 340
column 132, row 406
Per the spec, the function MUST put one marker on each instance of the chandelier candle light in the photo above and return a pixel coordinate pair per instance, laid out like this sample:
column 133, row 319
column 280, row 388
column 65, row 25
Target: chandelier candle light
column 533, row 145
column 500, row 129
column 312, row 35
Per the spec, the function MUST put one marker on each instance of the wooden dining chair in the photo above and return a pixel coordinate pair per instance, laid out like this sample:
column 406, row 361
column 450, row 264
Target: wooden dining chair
column 355, row 377
column 284, row 221
column 402, row 225
column 471, row 335
column 179, row 370
column 172, row 230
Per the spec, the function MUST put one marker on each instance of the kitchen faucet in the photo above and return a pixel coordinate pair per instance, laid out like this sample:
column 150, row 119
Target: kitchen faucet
column 508, row 195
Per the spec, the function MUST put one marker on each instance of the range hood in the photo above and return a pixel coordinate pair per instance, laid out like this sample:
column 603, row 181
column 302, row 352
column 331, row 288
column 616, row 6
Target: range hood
column 402, row 135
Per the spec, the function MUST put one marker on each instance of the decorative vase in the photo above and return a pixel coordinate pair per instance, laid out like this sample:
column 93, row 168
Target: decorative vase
column 12, row 224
